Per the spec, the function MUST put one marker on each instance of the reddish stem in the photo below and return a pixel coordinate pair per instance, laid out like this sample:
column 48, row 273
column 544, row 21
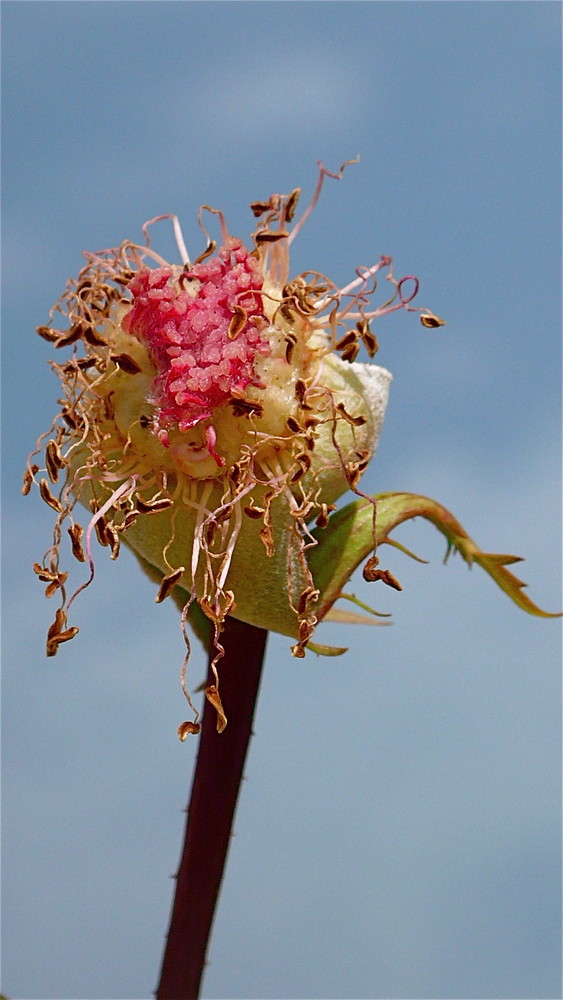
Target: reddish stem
column 215, row 789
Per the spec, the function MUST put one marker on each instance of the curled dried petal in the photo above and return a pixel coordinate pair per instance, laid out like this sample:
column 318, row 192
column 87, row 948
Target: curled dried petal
column 186, row 728
column 212, row 695
column 48, row 497
column 168, row 583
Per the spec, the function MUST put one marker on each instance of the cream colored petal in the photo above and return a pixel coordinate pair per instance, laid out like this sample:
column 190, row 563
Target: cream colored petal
column 363, row 389
column 366, row 382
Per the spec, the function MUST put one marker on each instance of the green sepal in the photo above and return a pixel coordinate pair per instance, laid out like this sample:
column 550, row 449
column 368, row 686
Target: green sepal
column 349, row 540
column 342, row 546
column 316, row 647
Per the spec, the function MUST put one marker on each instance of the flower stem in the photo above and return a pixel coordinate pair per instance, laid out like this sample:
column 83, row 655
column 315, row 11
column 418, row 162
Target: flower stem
column 211, row 809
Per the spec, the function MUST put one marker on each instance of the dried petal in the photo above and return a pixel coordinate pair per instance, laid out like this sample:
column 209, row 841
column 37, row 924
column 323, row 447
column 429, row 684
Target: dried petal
column 431, row 321
column 291, row 204
column 53, row 460
column 57, row 632
column 186, row 728
column 48, row 497
column 126, row 363
column 237, row 323
column 270, row 236
column 76, row 532
column 212, row 695
column 153, row 506
column 28, row 478
column 168, row 583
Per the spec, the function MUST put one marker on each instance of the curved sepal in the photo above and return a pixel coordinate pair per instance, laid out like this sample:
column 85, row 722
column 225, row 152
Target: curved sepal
column 349, row 540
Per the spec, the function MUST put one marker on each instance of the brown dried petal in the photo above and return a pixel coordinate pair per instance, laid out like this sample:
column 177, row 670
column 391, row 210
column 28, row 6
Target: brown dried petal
column 270, row 235
column 355, row 421
column 168, row 583
column 254, row 512
column 100, row 526
column 212, row 695
column 431, row 321
column 54, row 642
column 304, row 460
column 210, row 248
column 387, row 577
column 48, row 334
column 43, row 573
column 53, row 460
column 294, row 425
column 371, row 573
column 297, row 475
column 114, row 540
column 209, row 532
column 237, row 322
column 84, row 363
column 246, row 407
column 48, row 497
column 92, row 337
column 126, row 363
column 259, row 207
column 57, row 632
column 306, row 628
column 306, row 599
column 300, row 389
column 153, row 506
column 69, row 418
column 368, row 338
column 129, row 519
column 229, row 603
column 351, row 353
column 290, row 347
column 186, row 728
column 324, row 516
column 291, row 204
column 267, row 536
column 28, row 479
column 76, row 532
column 347, row 340
column 55, row 584
column 298, row 651
column 124, row 277
column 67, row 337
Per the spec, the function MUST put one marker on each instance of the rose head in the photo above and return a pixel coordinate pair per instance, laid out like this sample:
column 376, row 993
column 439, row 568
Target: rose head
column 212, row 412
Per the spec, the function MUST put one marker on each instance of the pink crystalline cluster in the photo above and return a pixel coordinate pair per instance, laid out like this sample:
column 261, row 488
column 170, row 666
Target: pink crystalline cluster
column 203, row 330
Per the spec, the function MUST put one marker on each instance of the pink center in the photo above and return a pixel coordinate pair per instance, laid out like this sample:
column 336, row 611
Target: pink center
column 204, row 344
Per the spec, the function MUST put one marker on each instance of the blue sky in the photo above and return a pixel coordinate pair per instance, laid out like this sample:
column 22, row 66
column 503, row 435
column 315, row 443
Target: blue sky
column 398, row 834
